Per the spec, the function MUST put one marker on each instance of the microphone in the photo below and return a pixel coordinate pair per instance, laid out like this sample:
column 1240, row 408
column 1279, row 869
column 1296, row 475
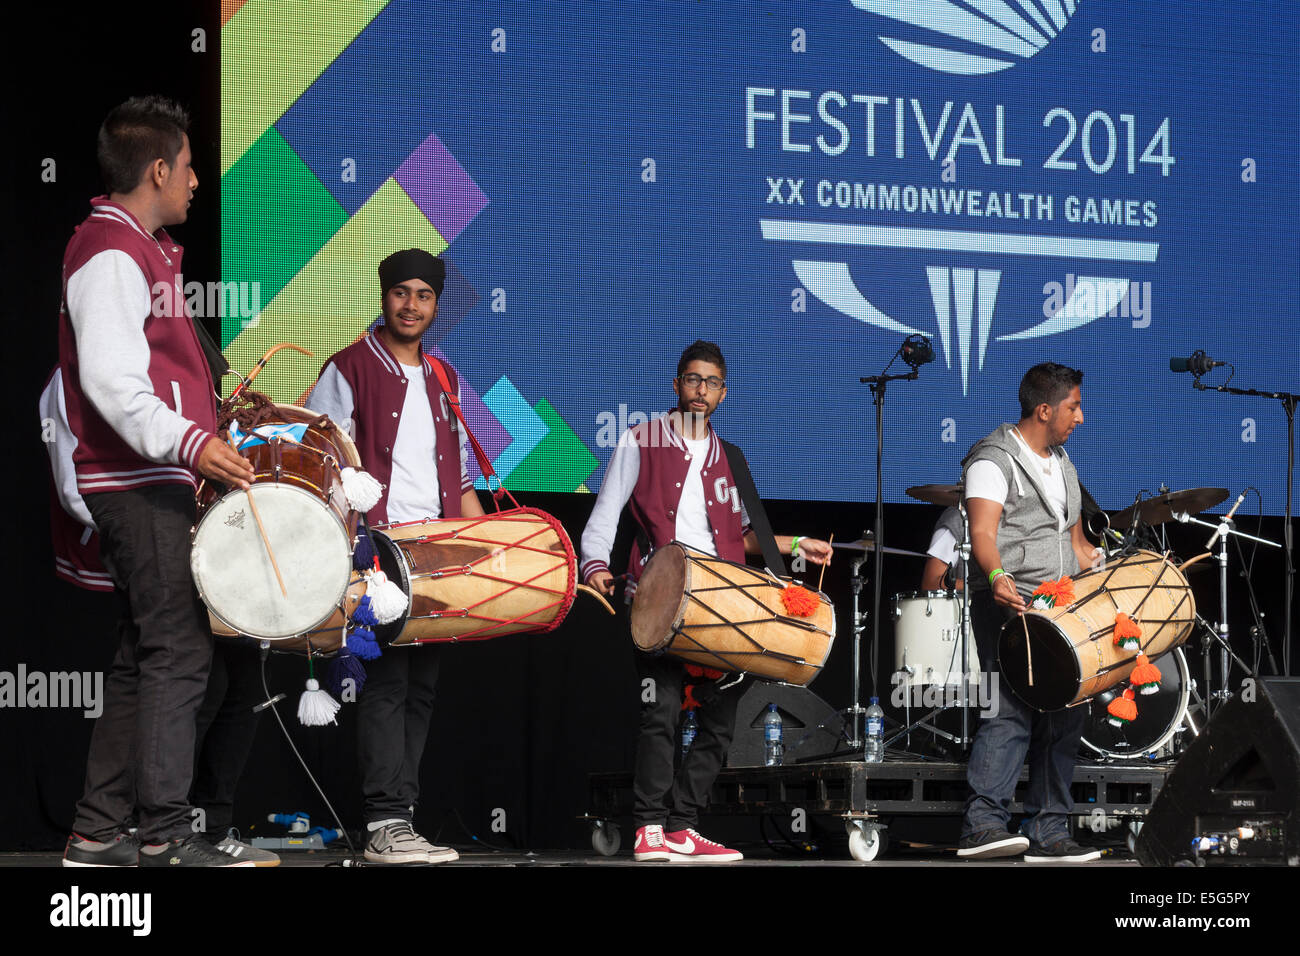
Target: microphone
column 917, row 351
column 1198, row 363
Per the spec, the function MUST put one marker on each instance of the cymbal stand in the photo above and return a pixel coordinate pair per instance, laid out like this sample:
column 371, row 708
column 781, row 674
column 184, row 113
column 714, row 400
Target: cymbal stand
column 1225, row 528
column 857, row 713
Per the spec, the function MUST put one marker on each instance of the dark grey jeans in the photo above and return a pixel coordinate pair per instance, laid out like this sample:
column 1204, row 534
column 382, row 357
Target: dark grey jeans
column 141, row 756
column 393, row 713
column 1002, row 744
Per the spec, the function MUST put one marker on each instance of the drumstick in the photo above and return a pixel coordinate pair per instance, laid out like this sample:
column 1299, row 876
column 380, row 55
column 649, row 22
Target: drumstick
column 822, row 576
column 261, row 529
column 1029, row 653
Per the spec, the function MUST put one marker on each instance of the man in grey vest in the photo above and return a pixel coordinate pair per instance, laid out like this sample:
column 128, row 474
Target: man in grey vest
column 1023, row 498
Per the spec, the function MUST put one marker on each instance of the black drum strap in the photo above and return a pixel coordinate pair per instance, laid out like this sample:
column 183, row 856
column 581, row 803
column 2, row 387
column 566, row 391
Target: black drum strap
column 754, row 506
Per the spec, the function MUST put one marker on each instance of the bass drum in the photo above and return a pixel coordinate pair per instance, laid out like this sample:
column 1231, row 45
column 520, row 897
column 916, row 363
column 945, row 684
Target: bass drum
column 1160, row 715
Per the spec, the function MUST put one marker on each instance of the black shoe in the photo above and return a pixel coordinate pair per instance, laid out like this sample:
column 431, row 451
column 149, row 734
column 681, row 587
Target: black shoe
column 121, row 851
column 1063, row 850
column 192, row 851
column 990, row 844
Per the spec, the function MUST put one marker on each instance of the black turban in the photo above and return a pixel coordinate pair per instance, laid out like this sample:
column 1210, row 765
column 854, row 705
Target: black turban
column 412, row 264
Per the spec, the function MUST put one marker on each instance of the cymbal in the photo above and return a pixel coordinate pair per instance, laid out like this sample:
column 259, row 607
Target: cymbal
column 868, row 543
column 947, row 495
column 1160, row 509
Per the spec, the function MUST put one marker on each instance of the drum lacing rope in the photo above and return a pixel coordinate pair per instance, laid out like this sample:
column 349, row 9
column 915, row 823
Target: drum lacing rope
column 564, row 599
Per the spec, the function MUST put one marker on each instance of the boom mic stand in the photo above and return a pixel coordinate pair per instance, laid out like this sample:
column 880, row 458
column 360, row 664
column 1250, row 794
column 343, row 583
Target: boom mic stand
column 1288, row 401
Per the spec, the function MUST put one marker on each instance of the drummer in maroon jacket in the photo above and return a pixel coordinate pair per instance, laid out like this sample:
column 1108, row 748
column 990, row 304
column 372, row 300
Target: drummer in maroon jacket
column 385, row 392
column 140, row 399
column 675, row 474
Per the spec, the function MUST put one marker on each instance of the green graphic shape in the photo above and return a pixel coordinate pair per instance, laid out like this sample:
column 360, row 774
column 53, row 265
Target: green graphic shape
column 560, row 462
column 275, row 216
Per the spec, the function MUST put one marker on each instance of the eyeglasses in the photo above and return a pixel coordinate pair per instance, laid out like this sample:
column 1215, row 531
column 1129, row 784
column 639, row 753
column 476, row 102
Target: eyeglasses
column 691, row 380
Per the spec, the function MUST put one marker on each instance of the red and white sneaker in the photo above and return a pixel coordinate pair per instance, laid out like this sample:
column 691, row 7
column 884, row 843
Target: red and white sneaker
column 649, row 845
column 688, row 846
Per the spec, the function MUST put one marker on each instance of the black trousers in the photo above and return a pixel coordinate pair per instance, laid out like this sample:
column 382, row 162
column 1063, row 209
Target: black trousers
column 226, row 728
column 141, row 758
column 660, row 795
column 393, row 713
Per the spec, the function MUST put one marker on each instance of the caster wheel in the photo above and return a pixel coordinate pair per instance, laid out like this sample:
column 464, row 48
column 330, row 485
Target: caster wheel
column 606, row 838
column 865, row 844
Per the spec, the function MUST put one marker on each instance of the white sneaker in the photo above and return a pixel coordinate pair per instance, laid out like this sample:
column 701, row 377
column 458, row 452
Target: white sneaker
column 399, row 843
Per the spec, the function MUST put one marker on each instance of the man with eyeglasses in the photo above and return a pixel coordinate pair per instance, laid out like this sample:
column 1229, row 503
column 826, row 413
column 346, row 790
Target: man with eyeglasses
column 674, row 473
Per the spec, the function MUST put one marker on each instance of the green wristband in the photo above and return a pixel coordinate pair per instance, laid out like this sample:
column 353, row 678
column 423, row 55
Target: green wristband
column 994, row 574
column 794, row 546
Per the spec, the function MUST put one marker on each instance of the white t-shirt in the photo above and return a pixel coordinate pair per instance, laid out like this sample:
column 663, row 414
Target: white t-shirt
column 413, row 488
column 984, row 479
column 943, row 546
column 693, row 526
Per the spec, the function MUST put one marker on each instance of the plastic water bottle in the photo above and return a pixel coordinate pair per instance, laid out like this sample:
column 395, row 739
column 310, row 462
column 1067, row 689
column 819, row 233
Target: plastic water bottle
column 875, row 749
column 689, row 728
column 773, row 738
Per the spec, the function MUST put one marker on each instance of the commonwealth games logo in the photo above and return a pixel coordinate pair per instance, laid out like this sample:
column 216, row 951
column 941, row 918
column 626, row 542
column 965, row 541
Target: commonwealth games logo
column 978, row 36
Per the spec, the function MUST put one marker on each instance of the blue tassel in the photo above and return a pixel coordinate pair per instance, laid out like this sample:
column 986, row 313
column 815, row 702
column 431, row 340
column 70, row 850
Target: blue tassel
column 363, row 556
column 362, row 643
column 363, row 616
column 346, row 666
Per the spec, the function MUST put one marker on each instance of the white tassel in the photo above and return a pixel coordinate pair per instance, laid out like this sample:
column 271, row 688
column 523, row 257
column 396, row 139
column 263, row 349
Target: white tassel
column 316, row 707
column 361, row 489
column 387, row 600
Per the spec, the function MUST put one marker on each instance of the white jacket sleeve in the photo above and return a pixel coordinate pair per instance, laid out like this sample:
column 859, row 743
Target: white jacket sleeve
column 108, row 303
column 60, row 443
column 615, row 490
column 332, row 396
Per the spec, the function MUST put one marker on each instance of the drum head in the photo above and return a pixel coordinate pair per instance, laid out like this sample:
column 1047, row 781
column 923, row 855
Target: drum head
column 660, row 598
column 1159, row 715
column 233, row 571
column 1055, row 665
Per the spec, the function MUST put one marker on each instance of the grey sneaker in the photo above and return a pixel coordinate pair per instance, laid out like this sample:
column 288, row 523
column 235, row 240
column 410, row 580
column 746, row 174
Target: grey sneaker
column 990, row 844
column 232, row 846
column 399, row 843
column 192, row 851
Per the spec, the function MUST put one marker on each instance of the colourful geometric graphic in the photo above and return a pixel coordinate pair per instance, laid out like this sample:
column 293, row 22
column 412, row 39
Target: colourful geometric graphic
column 325, row 171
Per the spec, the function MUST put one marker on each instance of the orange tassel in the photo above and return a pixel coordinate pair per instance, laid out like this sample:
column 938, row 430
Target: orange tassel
column 1127, row 632
column 1054, row 593
column 1146, row 676
column 1123, row 710
column 799, row 601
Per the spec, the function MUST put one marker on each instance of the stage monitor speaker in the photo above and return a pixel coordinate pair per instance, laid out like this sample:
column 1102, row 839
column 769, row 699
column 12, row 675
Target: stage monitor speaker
column 1234, row 796
column 810, row 726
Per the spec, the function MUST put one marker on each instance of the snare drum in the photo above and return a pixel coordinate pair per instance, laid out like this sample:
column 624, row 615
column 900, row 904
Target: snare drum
column 298, row 491
column 927, row 639
column 469, row 579
column 1072, row 648
column 723, row 615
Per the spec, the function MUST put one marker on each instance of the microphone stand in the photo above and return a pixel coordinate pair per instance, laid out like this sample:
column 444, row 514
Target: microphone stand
column 1288, row 401
column 878, row 385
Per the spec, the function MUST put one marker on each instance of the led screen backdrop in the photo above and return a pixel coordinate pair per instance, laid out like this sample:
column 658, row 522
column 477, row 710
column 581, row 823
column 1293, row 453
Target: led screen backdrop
column 1104, row 184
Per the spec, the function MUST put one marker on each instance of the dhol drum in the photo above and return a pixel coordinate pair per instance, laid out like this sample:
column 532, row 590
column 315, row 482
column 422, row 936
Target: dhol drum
column 1071, row 655
column 307, row 522
column 728, row 616
column 927, row 639
column 470, row 579
column 1160, row 717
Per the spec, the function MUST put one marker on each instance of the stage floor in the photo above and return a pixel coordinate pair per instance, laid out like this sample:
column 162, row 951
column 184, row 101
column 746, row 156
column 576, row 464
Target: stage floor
column 563, row 858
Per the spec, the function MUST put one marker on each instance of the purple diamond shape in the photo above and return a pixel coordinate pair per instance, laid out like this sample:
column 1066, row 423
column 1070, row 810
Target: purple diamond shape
column 491, row 434
column 440, row 187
